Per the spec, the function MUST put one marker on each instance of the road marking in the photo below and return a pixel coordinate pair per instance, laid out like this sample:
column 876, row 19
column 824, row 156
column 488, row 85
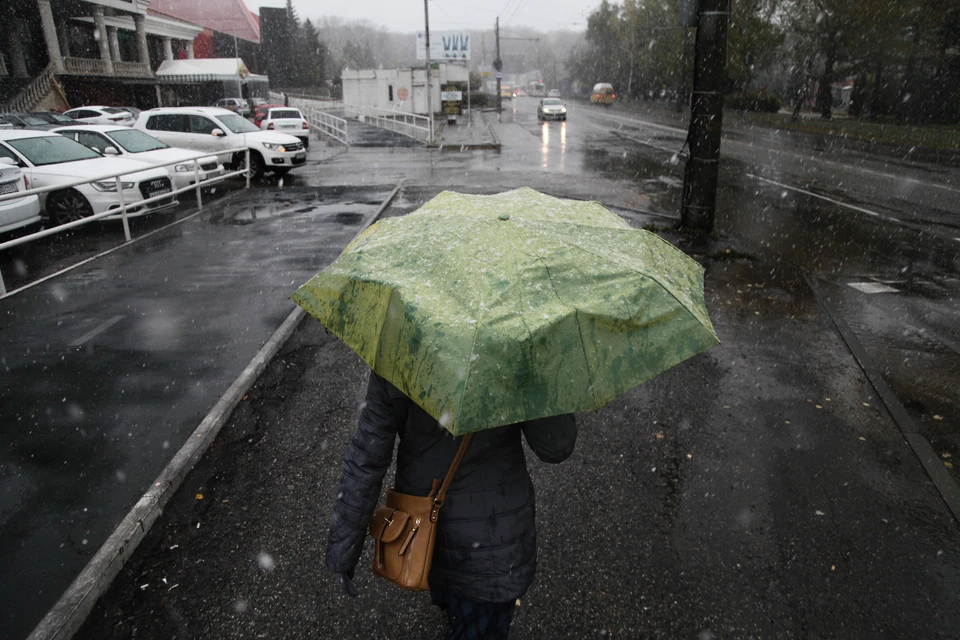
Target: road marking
column 816, row 195
column 818, row 160
column 90, row 335
column 872, row 287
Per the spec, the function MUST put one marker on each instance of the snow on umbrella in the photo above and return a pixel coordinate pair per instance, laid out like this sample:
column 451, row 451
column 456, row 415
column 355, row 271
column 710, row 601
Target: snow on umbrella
column 491, row 310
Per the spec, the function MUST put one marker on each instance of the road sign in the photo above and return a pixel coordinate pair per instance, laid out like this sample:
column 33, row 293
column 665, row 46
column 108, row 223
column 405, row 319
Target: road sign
column 499, row 76
column 444, row 45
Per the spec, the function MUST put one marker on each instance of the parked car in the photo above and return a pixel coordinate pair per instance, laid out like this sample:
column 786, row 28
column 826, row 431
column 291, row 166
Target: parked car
column 262, row 112
column 506, row 93
column 26, row 121
column 16, row 213
column 57, row 119
column 101, row 115
column 125, row 142
column 49, row 159
column 215, row 130
column 237, row 105
column 287, row 120
column 551, row 109
column 553, row 93
column 602, row 94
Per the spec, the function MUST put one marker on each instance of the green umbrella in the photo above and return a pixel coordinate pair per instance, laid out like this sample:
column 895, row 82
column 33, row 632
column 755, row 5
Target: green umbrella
column 490, row 310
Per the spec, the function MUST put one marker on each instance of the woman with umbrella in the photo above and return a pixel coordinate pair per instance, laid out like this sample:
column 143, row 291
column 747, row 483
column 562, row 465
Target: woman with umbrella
column 497, row 316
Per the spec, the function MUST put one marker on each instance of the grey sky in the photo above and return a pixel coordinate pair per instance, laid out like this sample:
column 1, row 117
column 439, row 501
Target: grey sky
column 450, row 15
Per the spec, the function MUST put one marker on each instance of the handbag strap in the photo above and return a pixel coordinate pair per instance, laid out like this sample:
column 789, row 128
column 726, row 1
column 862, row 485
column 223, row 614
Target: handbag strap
column 438, row 501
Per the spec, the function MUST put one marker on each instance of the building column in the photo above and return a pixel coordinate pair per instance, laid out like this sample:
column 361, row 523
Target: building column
column 15, row 50
column 102, row 38
column 138, row 20
column 190, row 53
column 63, row 34
column 50, row 35
column 114, row 44
column 167, row 48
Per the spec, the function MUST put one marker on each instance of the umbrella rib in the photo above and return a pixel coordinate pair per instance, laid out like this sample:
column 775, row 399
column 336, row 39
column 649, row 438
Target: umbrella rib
column 645, row 274
column 576, row 316
column 473, row 346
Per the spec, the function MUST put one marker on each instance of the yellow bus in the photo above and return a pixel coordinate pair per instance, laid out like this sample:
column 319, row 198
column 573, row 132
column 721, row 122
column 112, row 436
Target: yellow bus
column 602, row 93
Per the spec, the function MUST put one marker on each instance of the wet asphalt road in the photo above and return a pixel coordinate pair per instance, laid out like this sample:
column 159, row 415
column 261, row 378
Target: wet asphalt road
column 755, row 491
column 630, row 165
column 110, row 367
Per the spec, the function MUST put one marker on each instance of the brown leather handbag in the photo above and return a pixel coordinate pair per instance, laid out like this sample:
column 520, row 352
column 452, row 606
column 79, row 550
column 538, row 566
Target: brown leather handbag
column 405, row 529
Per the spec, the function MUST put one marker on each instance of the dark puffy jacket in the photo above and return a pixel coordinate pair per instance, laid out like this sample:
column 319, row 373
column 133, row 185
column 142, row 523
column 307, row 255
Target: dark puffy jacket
column 486, row 548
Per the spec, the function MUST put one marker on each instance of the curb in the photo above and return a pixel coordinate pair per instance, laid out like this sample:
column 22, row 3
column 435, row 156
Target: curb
column 71, row 610
column 928, row 458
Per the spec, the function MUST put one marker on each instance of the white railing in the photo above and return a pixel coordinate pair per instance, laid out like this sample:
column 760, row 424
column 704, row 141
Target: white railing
column 408, row 124
column 132, row 69
column 122, row 209
column 327, row 124
column 28, row 98
column 85, row 66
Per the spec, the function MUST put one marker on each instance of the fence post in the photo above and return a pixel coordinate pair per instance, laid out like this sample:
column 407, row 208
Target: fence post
column 247, row 152
column 3, row 287
column 123, row 209
column 196, row 182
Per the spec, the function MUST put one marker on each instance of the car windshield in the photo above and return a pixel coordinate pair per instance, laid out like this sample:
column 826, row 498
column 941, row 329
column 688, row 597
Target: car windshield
column 52, row 149
column 237, row 124
column 136, row 141
column 552, row 102
column 33, row 120
column 285, row 113
column 58, row 117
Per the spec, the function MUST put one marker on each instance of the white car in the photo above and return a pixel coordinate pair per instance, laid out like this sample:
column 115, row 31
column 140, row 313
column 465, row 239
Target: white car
column 133, row 144
column 49, row 159
column 287, row 120
column 215, row 130
column 101, row 115
column 16, row 213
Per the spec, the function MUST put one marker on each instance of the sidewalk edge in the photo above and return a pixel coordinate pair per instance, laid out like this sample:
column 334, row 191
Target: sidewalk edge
column 71, row 610
column 945, row 485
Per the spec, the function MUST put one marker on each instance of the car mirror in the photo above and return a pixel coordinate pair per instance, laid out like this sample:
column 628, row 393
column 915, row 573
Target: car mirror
column 217, row 133
column 111, row 151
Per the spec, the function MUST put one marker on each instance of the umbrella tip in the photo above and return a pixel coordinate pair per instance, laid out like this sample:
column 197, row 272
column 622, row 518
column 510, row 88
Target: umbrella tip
column 504, row 216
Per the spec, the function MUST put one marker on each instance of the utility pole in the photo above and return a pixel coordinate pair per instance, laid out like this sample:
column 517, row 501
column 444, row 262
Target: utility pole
column 706, row 117
column 426, row 20
column 498, row 65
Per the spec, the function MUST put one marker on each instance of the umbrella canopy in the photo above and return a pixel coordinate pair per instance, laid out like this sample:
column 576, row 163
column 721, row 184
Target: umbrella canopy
column 491, row 310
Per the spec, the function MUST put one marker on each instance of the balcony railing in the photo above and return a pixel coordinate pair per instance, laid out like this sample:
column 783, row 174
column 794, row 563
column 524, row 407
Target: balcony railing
column 96, row 67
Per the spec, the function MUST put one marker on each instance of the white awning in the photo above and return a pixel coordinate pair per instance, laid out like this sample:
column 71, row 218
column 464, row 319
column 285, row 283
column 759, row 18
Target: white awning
column 206, row 70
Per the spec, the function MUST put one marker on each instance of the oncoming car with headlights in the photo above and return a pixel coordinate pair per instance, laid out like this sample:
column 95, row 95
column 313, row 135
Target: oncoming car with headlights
column 216, row 130
column 552, row 109
column 50, row 160
column 133, row 144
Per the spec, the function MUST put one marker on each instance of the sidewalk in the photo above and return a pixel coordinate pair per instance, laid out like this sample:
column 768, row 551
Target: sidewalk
column 759, row 490
column 472, row 131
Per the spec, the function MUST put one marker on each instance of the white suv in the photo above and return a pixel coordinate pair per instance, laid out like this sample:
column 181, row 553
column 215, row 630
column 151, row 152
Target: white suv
column 214, row 130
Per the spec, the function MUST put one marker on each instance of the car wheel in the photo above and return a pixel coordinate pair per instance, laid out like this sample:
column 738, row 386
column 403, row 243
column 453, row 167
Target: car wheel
column 256, row 164
column 66, row 206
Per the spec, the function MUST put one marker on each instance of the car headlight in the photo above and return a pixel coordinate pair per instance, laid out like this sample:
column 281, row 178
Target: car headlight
column 563, row 110
column 111, row 185
column 182, row 167
column 274, row 147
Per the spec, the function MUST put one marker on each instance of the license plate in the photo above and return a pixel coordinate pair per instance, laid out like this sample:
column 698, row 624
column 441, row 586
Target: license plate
column 9, row 187
column 212, row 174
column 300, row 156
column 159, row 192
column 288, row 126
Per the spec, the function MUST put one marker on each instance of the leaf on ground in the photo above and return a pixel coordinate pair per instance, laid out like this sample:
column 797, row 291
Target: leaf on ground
column 938, row 417
column 819, row 406
column 819, row 513
column 866, row 404
column 199, row 496
column 660, row 436
column 948, row 465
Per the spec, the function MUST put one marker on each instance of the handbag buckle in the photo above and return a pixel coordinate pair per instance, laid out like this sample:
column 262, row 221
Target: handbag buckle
column 389, row 520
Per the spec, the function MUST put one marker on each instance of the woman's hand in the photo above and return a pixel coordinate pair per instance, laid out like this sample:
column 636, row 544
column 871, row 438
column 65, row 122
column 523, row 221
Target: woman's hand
column 345, row 582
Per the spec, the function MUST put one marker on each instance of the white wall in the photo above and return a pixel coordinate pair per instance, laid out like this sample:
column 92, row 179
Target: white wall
column 371, row 87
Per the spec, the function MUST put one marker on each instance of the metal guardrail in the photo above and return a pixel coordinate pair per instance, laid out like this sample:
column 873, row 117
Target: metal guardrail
column 415, row 126
column 122, row 209
column 327, row 124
